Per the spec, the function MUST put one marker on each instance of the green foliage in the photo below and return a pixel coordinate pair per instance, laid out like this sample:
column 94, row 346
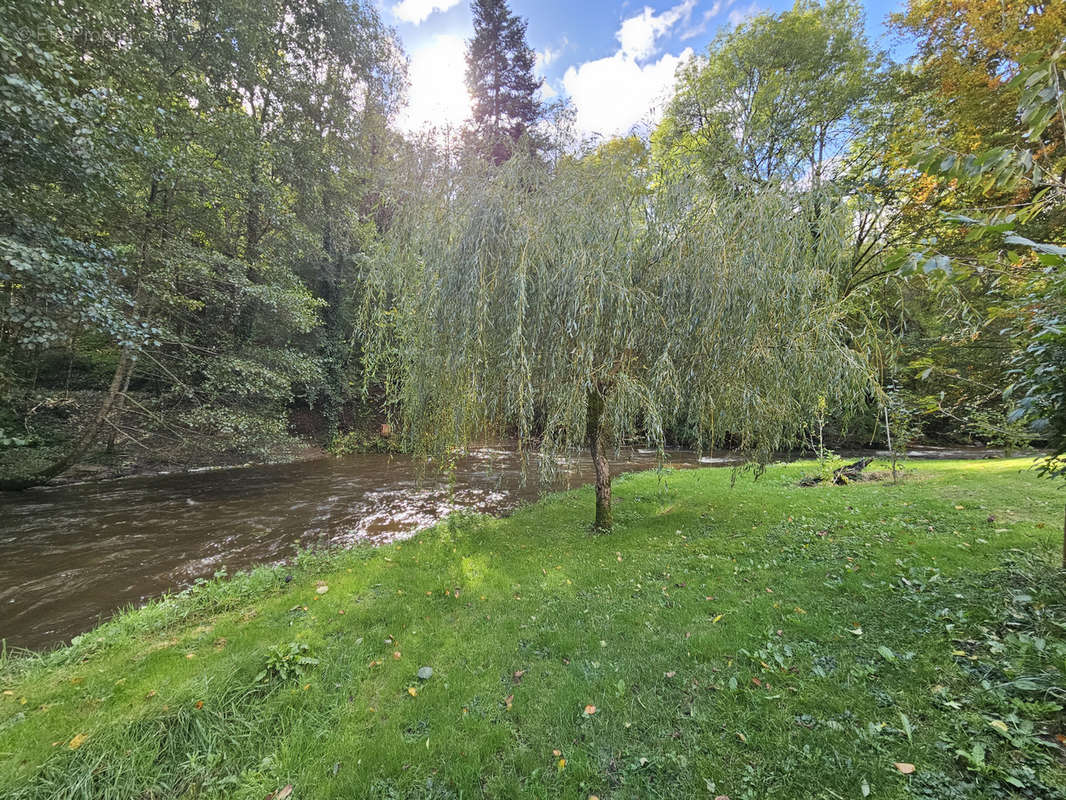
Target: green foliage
column 502, row 301
column 1038, row 391
column 777, row 98
column 354, row 442
column 189, row 185
column 287, row 663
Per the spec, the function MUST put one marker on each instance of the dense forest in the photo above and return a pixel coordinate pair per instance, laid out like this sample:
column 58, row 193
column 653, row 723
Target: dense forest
column 216, row 246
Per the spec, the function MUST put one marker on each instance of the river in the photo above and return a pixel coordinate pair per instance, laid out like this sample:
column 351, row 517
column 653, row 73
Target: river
column 72, row 555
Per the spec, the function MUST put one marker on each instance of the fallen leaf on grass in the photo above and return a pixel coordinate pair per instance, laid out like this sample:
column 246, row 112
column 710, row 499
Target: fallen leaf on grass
column 557, row 753
column 517, row 677
column 509, row 700
column 903, row 767
column 562, row 764
column 411, row 690
column 999, row 725
column 715, row 620
column 78, row 741
column 670, row 674
column 199, row 704
column 284, row 793
column 590, row 710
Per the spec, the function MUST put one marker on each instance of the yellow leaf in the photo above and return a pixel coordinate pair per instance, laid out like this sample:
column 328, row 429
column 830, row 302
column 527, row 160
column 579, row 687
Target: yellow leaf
column 411, row 690
column 999, row 725
column 562, row 763
column 715, row 620
column 958, row 652
column 906, row 769
column 78, row 741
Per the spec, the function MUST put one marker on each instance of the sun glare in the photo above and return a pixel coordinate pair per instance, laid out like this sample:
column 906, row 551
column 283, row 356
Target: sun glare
column 437, row 96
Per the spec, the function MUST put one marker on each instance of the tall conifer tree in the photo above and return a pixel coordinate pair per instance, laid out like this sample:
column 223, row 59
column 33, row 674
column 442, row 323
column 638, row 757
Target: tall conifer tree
column 499, row 75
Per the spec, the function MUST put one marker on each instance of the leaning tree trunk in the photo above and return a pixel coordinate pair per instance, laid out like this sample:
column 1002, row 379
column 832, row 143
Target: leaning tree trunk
column 88, row 436
column 597, row 436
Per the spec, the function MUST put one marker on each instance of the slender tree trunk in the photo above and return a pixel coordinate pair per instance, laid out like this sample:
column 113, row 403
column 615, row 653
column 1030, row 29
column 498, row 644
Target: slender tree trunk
column 597, row 437
column 88, row 436
column 119, row 407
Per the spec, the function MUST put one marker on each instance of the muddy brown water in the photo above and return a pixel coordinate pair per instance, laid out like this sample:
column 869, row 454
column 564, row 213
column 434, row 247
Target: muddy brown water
column 70, row 556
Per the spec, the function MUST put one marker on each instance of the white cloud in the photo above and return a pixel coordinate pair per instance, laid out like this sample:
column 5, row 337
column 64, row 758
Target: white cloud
column 638, row 34
column 547, row 92
column 545, row 57
column 437, row 96
column 708, row 15
column 611, row 95
column 417, row 11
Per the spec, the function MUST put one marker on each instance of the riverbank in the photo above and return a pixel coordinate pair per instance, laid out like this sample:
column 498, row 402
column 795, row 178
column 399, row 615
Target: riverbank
column 764, row 641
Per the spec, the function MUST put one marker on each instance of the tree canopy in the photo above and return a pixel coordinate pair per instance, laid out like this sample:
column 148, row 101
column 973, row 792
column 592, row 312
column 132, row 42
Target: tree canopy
column 499, row 75
column 590, row 304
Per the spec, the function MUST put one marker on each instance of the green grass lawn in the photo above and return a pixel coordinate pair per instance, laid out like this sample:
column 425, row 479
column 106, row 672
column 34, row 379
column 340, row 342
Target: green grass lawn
column 760, row 641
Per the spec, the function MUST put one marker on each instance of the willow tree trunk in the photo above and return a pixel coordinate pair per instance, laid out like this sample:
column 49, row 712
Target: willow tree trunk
column 597, row 437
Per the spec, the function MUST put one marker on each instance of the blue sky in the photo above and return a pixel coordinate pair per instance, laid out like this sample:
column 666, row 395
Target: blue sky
column 614, row 60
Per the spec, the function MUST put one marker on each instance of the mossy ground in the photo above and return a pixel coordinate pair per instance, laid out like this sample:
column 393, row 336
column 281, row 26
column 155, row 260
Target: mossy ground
column 759, row 641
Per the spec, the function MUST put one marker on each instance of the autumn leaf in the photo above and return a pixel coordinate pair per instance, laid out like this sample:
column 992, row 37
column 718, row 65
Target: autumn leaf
column 78, row 741
column 903, row 767
column 411, row 690
column 562, row 764
column 517, row 677
column 557, row 753
column 199, row 704
column 590, row 710
column 509, row 700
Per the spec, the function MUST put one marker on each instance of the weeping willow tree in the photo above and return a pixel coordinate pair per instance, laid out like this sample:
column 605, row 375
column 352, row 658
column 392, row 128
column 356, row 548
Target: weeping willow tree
column 588, row 305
